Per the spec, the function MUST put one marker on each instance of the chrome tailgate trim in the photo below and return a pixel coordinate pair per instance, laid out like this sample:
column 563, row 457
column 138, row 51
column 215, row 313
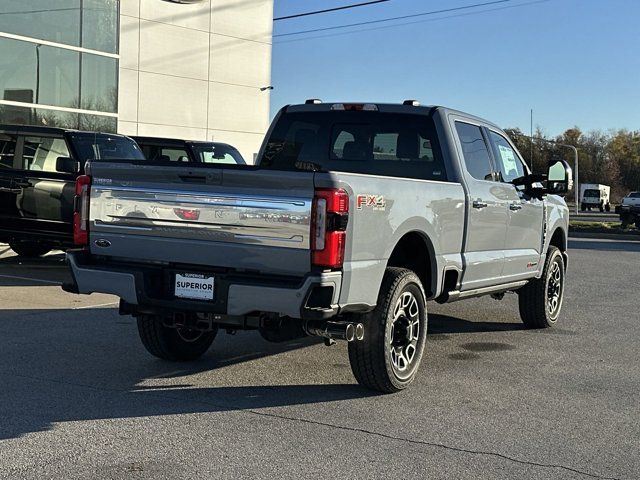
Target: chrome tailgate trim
column 245, row 219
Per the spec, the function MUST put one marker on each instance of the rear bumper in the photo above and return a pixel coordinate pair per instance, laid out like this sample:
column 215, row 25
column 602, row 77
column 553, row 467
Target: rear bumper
column 149, row 286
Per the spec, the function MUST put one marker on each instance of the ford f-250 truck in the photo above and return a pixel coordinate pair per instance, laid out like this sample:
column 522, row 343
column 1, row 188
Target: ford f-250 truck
column 354, row 217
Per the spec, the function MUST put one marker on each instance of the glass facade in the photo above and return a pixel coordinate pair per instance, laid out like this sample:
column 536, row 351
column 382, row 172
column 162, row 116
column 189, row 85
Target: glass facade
column 76, row 66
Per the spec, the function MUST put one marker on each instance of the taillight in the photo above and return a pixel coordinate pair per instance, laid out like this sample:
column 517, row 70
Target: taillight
column 81, row 211
column 328, row 232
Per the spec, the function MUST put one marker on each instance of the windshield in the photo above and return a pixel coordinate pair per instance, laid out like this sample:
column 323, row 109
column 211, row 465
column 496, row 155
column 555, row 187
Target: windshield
column 218, row 153
column 592, row 193
column 101, row 146
column 634, row 195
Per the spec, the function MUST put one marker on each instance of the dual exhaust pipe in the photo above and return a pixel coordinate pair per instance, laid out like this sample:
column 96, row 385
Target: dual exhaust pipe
column 329, row 330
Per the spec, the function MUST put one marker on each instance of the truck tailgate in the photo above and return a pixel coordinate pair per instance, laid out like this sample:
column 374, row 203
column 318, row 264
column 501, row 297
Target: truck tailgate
column 244, row 219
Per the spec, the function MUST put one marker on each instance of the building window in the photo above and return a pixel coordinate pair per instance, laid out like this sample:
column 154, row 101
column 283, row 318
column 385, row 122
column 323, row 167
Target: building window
column 100, row 25
column 60, row 62
column 53, row 20
column 35, row 73
column 99, row 83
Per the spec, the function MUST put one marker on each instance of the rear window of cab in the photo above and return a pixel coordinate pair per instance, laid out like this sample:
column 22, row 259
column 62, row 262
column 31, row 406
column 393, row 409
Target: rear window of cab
column 368, row 142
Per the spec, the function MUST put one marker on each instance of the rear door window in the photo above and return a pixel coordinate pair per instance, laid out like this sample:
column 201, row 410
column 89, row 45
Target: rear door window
column 475, row 151
column 40, row 154
column 375, row 143
column 7, row 151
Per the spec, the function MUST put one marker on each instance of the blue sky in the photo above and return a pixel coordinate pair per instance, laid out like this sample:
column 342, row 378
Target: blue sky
column 575, row 62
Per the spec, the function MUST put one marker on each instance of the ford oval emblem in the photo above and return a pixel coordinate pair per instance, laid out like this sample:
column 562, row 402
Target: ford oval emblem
column 102, row 243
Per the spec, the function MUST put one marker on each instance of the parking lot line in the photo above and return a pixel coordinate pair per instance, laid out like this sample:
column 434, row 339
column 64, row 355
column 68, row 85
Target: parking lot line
column 30, row 279
column 85, row 307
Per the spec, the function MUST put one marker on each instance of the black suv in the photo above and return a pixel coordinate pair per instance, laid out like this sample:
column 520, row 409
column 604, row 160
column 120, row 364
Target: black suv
column 171, row 149
column 38, row 169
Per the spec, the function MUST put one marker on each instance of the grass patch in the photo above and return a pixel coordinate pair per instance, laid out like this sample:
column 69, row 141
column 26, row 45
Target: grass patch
column 601, row 227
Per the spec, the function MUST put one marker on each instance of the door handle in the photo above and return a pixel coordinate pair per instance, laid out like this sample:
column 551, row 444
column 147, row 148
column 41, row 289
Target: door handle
column 10, row 190
column 514, row 207
column 479, row 204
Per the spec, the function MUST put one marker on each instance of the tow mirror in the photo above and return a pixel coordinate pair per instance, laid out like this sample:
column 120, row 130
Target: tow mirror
column 67, row 165
column 559, row 178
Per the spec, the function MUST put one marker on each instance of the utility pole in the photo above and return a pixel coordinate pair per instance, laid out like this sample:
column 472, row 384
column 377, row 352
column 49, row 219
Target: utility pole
column 531, row 139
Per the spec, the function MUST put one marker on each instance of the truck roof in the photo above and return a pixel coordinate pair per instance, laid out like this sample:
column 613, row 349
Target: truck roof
column 40, row 129
column 177, row 141
column 415, row 109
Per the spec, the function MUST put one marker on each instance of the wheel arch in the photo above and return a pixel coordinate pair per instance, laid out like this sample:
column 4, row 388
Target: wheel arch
column 414, row 250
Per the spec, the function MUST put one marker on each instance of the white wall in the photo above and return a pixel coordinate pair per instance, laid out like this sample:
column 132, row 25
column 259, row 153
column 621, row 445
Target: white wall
column 194, row 71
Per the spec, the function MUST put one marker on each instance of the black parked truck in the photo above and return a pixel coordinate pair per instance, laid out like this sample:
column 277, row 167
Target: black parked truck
column 38, row 171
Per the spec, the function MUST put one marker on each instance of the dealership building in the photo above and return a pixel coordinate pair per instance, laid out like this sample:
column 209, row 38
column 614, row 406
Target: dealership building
column 193, row 69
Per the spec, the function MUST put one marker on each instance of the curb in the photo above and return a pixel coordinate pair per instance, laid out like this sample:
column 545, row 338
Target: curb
column 605, row 236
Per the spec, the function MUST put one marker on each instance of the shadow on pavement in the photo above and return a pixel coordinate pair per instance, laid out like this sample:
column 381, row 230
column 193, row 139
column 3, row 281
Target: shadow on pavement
column 74, row 365
column 441, row 324
column 64, row 365
column 19, row 271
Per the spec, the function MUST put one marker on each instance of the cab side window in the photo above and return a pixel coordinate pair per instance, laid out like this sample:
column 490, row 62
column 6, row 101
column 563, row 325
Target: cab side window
column 475, row 151
column 509, row 163
column 7, row 151
column 40, row 153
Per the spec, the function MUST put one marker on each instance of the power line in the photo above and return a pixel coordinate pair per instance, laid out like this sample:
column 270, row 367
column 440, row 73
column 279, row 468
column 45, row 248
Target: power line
column 384, row 27
column 433, row 12
column 317, row 12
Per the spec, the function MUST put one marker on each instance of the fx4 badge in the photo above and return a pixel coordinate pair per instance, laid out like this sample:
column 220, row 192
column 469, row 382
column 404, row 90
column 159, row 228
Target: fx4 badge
column 375, row 202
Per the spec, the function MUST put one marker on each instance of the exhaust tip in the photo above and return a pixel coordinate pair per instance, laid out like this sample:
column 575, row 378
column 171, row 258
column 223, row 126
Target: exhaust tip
column 350, row 333
column 359, row 330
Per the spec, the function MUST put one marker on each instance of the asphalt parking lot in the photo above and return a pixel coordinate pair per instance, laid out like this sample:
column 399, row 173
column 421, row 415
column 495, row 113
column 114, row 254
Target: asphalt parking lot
column 80, row 398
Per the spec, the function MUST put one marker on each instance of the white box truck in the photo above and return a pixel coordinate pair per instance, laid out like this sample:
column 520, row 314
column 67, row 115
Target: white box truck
column 594, row 195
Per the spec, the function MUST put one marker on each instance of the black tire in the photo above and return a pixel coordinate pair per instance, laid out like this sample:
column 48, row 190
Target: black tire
column 390, row 341
column 30, row 249
column 607, row 207
column 582, row 207
column 601, row 207
column 170, row 343
column 537, row 307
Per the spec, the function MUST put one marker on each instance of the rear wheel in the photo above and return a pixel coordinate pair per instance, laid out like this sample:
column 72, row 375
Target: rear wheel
column 608, row 207
column 601, row 207
column 388, row 357
column 176, row 344
column 30, row 249
column 540, row 300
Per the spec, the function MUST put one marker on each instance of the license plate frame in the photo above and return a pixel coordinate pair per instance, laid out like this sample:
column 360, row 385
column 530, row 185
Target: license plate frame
column 194, row 286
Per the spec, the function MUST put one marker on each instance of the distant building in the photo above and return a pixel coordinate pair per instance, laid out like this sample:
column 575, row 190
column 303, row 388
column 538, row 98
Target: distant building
column 175, row 68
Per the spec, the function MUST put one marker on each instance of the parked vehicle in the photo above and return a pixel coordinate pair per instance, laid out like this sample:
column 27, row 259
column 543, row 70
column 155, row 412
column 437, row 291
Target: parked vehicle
column 38, row 171
column 594, row 195
column 630, row 210
column 175, row 150
column 356, row 215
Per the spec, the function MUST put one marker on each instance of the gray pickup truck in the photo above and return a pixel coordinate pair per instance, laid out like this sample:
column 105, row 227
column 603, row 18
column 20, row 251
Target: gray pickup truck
column 354, row 217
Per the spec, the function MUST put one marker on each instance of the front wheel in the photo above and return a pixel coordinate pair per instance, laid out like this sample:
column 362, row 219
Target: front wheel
column 388, row 357
column 30, row 249
column 175, row 344
column 540, row 300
